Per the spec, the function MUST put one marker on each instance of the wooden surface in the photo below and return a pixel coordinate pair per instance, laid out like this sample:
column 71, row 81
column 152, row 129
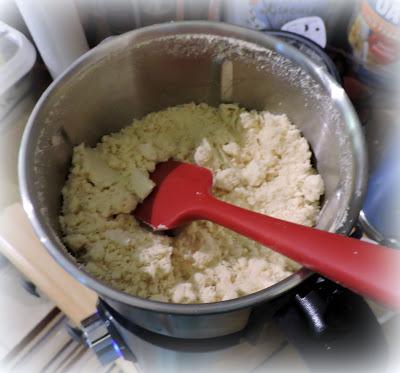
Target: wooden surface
column 20, row 245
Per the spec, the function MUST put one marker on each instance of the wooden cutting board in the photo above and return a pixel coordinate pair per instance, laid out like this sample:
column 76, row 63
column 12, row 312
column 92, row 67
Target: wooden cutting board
column 20, row 245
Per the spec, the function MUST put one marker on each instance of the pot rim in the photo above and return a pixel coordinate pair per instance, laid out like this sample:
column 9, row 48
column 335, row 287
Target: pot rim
column 58, row 251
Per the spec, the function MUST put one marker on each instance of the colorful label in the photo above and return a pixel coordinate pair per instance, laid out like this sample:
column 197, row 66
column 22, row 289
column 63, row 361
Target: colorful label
column 374, row 34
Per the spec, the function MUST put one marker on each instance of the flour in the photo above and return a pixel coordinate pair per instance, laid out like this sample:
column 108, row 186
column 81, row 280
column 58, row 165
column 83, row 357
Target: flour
column 259, row 161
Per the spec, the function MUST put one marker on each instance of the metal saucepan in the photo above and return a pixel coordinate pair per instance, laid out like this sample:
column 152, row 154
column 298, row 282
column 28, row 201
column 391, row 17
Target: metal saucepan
column 163, row 65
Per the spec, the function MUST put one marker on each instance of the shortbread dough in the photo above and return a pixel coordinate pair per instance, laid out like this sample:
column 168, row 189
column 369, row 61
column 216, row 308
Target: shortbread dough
column 260, row 161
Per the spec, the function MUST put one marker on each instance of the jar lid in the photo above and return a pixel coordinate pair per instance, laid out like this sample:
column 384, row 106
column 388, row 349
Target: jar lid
column 312, row 50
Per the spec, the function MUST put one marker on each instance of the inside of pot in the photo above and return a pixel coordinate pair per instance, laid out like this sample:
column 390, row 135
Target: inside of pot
column 128, row 78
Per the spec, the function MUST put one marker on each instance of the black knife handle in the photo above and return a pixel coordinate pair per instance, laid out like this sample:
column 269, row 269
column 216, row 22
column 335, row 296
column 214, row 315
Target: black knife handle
column 333, row 329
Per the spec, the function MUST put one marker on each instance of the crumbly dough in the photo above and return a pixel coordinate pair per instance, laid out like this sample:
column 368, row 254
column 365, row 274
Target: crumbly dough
column 259, row 161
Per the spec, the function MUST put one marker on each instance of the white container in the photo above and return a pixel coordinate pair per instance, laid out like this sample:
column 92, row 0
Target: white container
column 56, row 28
column 17, row 58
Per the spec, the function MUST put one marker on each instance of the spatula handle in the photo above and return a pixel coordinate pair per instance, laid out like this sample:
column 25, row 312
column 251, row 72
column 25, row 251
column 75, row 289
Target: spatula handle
column 368, row 269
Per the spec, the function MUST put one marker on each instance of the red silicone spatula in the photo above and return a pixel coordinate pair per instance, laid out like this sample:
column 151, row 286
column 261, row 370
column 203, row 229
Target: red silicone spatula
column 183, row 194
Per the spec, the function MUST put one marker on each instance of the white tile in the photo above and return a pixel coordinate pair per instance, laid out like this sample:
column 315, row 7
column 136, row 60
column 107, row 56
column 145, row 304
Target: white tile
column 285, row 361
column 3, row 351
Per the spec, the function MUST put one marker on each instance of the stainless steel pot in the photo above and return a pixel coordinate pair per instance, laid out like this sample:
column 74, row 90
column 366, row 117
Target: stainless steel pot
column 169, row 64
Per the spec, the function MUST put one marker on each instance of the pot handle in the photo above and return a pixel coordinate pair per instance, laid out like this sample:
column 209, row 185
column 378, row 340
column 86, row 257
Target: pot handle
column 333, row 329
